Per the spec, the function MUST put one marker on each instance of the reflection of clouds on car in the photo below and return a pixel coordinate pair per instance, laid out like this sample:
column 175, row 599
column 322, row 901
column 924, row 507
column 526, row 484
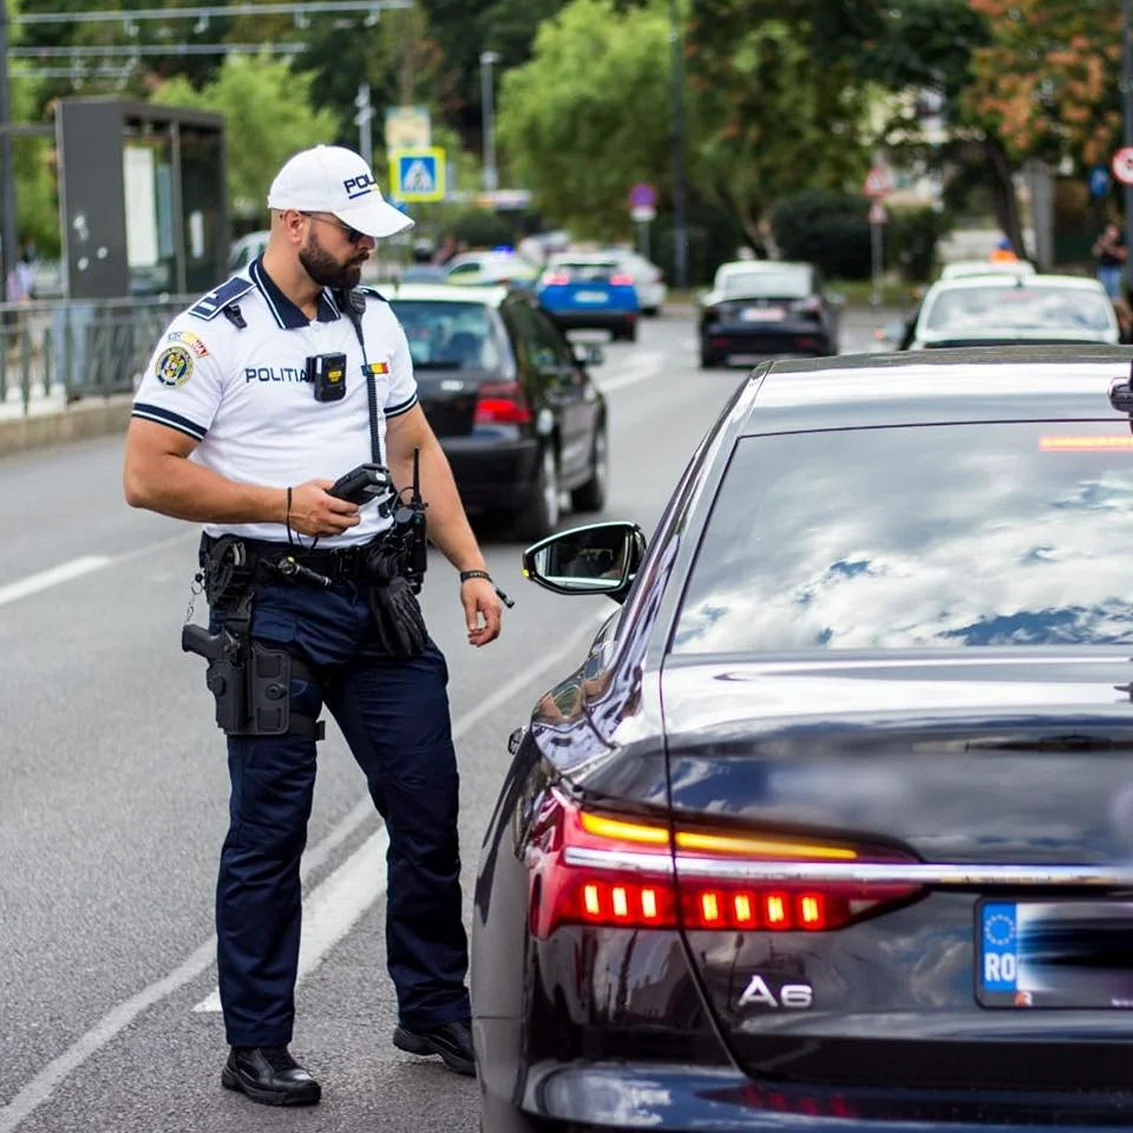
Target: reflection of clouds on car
column 871, row 569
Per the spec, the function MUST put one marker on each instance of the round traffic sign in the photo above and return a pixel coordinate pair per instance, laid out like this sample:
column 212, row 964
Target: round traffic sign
column 878, row 184
column 643, row 196
column 1122, row 165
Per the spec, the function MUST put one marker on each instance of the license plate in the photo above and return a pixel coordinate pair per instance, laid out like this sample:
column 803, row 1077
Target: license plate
column 590, row 296
column 1054, row 954
column 762, row 314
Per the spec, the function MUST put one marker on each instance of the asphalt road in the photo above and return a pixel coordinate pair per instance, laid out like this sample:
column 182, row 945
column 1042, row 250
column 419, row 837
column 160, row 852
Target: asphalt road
column 113, row 794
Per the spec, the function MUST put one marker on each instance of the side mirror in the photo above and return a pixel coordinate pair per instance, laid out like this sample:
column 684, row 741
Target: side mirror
column 589, row 353
column 600, row 558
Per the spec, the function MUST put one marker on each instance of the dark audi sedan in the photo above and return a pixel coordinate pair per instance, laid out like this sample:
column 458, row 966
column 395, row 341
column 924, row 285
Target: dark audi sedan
column 510, row 399
column 758, row 308
column 832, row 830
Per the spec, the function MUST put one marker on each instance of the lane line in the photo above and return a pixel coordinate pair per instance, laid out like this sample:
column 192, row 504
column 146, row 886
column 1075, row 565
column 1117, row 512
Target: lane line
column 334, row 908
column 45, row 579
column 316, row 941
column 42, row 1087
column 646, row 365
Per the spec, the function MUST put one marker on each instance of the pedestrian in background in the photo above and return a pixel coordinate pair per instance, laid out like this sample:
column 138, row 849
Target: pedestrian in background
column 1111, row 254
column 256, row 400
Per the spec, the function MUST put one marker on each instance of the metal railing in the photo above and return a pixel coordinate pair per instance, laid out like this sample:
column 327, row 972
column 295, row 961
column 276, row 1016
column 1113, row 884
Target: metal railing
column 66, row 350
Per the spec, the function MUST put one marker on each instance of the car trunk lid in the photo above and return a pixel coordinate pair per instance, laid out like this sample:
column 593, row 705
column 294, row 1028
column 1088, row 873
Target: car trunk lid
column 894, row 825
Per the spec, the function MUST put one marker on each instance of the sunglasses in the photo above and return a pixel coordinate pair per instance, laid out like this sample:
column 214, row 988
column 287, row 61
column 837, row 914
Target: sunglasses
column 353, row 236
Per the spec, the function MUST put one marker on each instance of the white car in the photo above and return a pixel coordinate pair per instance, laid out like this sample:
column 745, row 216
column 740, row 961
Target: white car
column 959, row 269
column 490, row 268
column 246, row 249
column 648, row 280
column 1001, row 310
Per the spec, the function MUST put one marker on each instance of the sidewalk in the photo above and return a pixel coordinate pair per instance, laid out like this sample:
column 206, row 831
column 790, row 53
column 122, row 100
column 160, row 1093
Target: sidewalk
column 49, row 420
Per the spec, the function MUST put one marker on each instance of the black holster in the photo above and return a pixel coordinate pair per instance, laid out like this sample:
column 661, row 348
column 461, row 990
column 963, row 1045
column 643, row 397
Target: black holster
column 250, row 679
column 397, row 613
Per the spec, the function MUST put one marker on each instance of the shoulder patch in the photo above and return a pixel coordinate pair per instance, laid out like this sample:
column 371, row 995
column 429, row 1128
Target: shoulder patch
column 210, row 305
column 174, row 366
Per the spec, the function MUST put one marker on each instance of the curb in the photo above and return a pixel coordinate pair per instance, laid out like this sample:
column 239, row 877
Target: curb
column 81, row 421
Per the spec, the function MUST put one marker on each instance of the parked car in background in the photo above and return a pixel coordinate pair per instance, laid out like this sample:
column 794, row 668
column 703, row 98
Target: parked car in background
column 511, row 401
column 648, row 280
column 590, row 290
column 989, row 310
column 764, row 307
column 246, row 249
column 490, row 267
column 830, row 830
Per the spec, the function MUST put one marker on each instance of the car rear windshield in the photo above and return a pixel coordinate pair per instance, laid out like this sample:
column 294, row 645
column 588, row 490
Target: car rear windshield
column 987, row 309
column 918, row 537
column 768, row 285
column 587, row 272
column 449, row 336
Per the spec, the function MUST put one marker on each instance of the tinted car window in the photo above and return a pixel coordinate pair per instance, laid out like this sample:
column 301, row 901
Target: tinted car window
column 449, row 336
column 915, row 537
column 541, row 342
column 1018, row 308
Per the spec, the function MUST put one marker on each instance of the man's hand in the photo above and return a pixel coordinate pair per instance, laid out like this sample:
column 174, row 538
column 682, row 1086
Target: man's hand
column 314, row 512
column 482, row 610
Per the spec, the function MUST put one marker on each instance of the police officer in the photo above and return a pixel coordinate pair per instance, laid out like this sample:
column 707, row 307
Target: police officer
column 257, row 399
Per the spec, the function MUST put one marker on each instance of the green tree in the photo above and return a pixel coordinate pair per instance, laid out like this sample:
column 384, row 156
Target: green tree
column 776, row 105
column 269, row 117
column 464, row 31
column 590, row 114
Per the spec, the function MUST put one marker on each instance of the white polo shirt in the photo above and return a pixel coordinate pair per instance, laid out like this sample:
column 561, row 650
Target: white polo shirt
column 243, row 393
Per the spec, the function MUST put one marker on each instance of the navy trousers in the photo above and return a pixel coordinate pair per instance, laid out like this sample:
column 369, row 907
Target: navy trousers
column 394, row 714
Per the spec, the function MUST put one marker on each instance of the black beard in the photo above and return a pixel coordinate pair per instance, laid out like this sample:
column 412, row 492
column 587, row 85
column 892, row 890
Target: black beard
column 325, row 270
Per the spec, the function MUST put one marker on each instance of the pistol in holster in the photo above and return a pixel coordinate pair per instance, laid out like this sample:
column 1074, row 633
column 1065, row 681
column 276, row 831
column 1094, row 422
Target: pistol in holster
column 250, row 680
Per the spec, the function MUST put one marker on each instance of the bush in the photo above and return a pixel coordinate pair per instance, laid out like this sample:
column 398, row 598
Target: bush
column 831, row 229
column 827, row 228
column 911, row 237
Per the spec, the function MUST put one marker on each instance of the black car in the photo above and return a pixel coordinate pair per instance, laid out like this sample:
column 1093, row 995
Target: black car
column 758, row 308
column 785, row 851
column 510, row 399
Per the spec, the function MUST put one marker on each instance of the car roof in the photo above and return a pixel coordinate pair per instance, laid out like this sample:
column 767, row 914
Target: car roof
column 586, row 257
column 490, row 294
column 928, row 387
column 958, row 269
column 968, row 282
column 761, row 265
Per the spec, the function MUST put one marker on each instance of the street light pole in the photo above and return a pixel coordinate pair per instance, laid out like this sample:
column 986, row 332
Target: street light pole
column 362, row 120
column 680, row 223
column 1127, row 106
column 491, row 175
column 8, row 252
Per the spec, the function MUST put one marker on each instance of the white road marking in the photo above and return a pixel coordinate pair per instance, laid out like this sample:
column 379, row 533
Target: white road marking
column 42, row 1087
column 45, row 579
column 643, row 366
column 334, row 907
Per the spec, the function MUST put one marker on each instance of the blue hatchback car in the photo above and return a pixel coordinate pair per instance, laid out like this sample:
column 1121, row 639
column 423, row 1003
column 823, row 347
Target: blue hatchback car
column 590, row 291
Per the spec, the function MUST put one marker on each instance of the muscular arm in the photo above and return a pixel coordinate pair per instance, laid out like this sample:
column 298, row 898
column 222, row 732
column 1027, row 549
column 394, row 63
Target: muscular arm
column 159, row 476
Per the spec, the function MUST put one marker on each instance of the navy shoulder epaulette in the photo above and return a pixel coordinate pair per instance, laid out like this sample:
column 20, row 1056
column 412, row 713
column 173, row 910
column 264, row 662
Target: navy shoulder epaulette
column 366, row 289
column 210, row 305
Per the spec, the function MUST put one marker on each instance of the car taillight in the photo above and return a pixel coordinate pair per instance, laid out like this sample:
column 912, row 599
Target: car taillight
column 501, row 403
column 595, row 869
column 556, row 280
column 621, row 280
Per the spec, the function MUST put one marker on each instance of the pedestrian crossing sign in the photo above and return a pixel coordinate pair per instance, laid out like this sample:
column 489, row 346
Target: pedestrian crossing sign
column 417, row 174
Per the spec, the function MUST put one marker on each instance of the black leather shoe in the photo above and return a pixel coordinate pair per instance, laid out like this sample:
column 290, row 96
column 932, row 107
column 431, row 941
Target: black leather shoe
column 452, row 1041
column 270, row 1076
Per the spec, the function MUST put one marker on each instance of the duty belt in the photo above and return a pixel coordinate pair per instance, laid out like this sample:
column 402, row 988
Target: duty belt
column 269, row 560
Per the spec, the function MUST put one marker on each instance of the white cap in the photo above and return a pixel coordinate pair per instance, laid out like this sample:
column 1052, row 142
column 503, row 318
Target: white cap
column 336, row 180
